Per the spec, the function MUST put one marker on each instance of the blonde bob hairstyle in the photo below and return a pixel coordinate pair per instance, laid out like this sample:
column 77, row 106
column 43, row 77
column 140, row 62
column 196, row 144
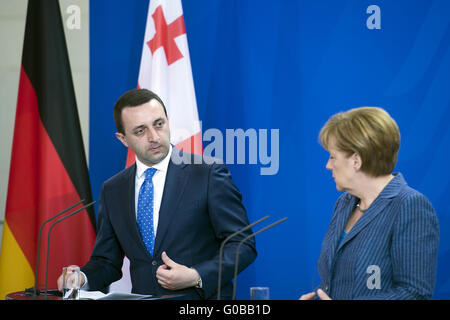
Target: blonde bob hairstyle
column 369, row 132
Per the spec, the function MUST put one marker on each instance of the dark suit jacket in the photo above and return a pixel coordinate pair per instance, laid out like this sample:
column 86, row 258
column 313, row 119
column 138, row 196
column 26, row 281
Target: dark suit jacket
column 200, row 207
column 396, row 239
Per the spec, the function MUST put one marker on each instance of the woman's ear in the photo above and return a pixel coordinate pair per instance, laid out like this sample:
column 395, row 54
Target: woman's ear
column 357, row 161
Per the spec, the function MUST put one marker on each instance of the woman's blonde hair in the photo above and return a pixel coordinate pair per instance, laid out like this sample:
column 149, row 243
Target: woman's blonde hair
column 369, row 132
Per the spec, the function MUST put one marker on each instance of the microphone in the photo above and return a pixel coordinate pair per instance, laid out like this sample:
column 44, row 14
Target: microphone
column 48, row 239
column 221, row 251
column 236, row 265
column 34, row 291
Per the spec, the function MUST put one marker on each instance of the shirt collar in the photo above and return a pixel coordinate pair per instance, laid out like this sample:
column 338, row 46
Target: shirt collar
column 394, row 186
column 160, row 166
column 391, row 190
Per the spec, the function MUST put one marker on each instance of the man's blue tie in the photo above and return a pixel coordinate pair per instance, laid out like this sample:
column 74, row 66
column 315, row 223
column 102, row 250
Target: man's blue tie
column 145, row 211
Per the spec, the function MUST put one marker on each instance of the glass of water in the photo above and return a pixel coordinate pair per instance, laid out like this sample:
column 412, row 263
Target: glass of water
column 259, row 293
column 71, row 283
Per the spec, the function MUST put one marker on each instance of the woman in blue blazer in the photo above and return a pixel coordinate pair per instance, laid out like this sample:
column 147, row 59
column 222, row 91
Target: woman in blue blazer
column 383, row 237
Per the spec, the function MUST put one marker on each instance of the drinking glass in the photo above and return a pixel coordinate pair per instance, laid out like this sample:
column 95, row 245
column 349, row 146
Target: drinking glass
column 71, row 283
column 259, row 293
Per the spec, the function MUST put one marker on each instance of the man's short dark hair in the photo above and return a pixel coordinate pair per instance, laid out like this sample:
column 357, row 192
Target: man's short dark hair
column 133, row 98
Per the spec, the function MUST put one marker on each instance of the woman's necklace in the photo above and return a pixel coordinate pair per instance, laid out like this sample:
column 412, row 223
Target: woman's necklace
column 359, row 208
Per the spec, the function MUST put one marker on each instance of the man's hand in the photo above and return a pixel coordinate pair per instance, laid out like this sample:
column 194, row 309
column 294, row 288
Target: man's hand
column 174, row 276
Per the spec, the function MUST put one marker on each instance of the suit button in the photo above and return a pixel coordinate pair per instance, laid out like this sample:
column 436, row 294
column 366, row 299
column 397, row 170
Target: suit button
column 154, row 263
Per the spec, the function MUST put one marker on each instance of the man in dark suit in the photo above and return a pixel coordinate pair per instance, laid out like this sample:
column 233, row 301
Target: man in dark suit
column 192, row 206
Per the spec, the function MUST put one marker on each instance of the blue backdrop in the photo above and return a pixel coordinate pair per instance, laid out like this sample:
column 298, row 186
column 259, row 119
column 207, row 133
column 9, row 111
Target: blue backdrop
column 290, row 65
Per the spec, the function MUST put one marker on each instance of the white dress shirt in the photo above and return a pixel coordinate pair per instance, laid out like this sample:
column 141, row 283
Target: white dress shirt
column 159, row 180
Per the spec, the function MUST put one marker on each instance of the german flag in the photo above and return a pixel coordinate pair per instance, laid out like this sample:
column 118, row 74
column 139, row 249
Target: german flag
column 48, row 170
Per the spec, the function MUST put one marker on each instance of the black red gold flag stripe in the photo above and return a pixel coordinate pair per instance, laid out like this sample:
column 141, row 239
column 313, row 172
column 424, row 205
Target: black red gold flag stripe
column 48, row 169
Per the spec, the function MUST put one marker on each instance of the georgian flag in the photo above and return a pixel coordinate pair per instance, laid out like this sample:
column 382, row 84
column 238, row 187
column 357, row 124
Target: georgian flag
column 166, row 70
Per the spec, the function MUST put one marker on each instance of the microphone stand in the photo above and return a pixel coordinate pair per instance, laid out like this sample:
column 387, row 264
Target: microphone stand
column 221, row 251
column 35, row 292
column 48, row 239
column 236, row 265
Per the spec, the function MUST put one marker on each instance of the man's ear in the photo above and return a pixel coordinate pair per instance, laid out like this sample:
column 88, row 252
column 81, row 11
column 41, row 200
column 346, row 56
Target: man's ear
column 122, row 138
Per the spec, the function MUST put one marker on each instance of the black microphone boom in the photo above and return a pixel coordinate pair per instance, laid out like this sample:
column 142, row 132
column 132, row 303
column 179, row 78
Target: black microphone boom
column 221, row 251
column 236, row 265
column 34, row 290
column 48, row 239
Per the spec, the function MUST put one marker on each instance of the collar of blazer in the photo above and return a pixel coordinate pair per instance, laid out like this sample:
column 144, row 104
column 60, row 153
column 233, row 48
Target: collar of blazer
column 392, row 189
column 174, row 186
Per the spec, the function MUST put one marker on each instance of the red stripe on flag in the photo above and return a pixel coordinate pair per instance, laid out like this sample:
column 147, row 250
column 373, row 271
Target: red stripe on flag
column 192, row 144
column 131, row 159
column 39, row 187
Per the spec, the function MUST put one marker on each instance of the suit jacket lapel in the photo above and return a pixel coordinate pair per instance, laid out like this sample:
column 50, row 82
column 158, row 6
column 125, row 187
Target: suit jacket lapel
column 372, row 212
column 341, row 221
column 391, row 190
column 127, row 205
column 176, row 179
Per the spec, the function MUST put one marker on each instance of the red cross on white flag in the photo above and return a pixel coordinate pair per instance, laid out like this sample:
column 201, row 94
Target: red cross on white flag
column 166, row 70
